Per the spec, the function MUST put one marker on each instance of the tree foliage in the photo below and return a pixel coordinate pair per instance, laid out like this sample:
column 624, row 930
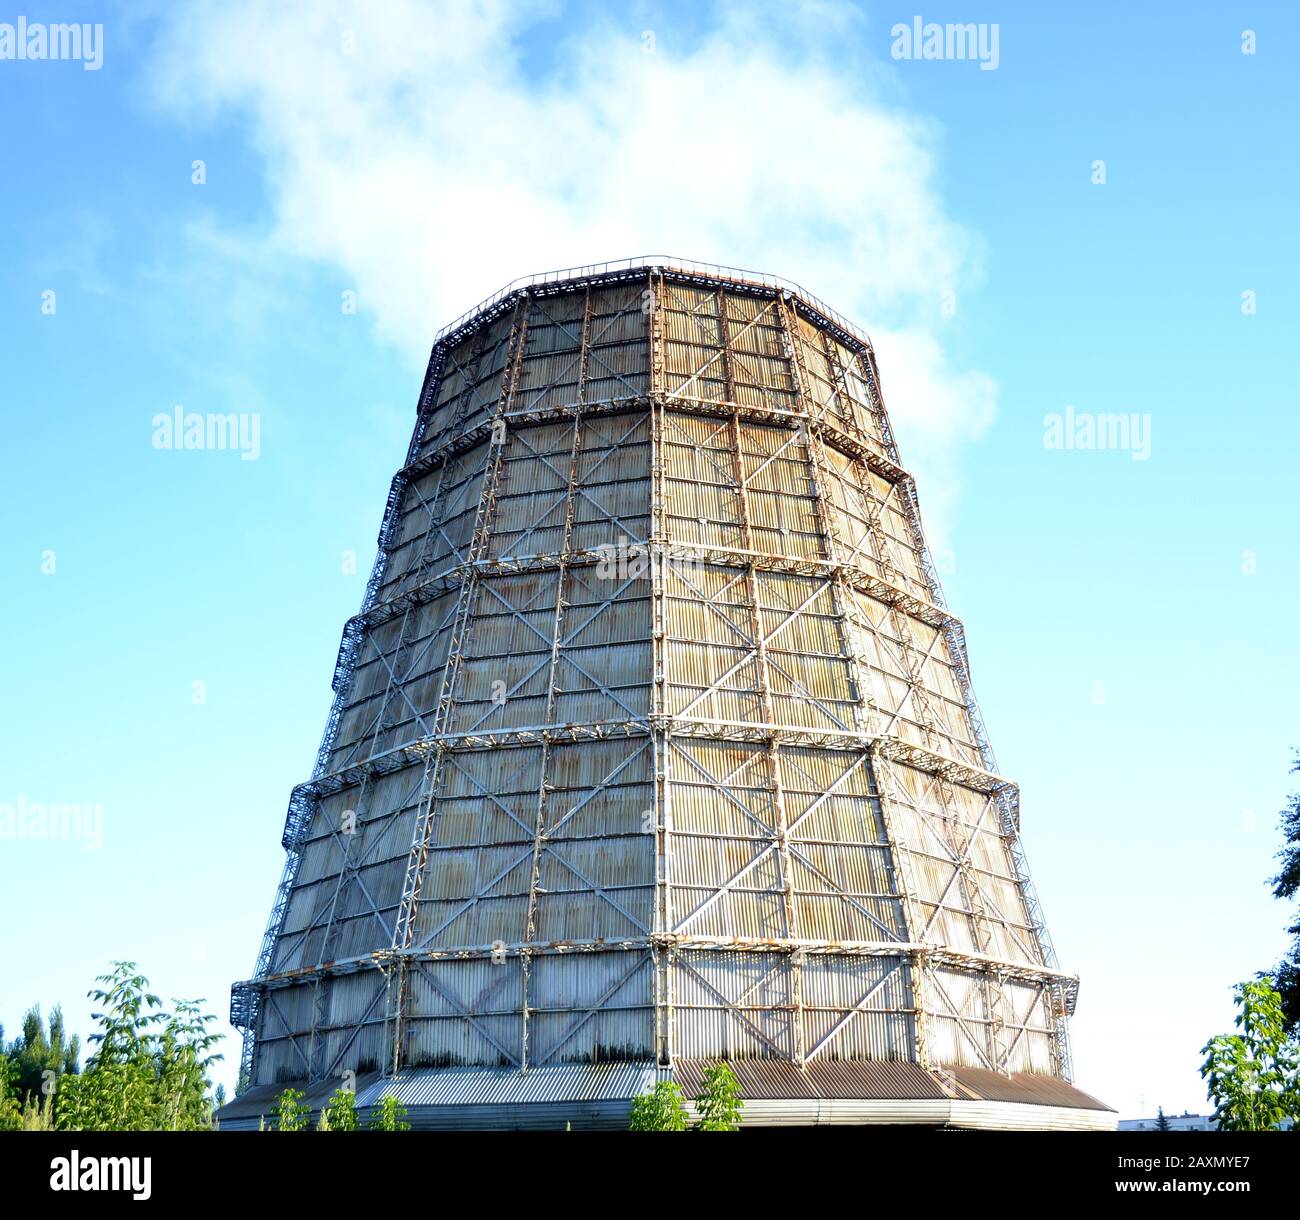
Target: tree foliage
column 391, row 1116
column 1253, row 1076
column 11, row 1109
column 30, row 1068
column 719, row 1105
column 341, row 1111
column 290, row 1112
column 150, row 1067
column 40, row 1057
column 1286, row 886
column 662, row 1109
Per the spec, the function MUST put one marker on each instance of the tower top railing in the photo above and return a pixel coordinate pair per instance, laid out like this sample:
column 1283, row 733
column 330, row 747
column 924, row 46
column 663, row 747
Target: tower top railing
column 648, row 262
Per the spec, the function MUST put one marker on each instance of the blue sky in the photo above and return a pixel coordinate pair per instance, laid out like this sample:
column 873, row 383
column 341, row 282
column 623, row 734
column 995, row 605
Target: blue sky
column 1129, row 620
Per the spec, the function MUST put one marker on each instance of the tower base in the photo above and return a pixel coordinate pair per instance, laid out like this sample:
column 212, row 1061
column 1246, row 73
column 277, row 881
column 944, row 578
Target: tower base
column 775, row 1093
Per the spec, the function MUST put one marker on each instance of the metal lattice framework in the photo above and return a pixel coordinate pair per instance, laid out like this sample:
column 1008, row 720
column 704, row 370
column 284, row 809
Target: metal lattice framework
column 654, row 739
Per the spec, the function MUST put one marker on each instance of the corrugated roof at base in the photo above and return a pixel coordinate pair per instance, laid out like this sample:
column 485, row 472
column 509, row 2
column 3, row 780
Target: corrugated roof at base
column 260, row 1101
column 1025, row 1087
column 596, row 1083
column 762, row 1079
column 468, row 1086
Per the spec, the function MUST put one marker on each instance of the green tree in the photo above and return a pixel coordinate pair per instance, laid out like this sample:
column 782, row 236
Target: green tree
column 150, row 1067
column 39, row 1057
column 184, row 1058
column 1253, row 1076
column 290, row 1113
column 110, row 1097
column 38, row 1112
column 719, row 1105
column 1162, row 1123
column 1286, row 886
column 342, row 1111
column 662, row 1109
column 391, row 1116
column 11, row 1110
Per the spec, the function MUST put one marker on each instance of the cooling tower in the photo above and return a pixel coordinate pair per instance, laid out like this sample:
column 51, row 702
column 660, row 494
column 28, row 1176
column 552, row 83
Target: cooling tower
column 653, row 745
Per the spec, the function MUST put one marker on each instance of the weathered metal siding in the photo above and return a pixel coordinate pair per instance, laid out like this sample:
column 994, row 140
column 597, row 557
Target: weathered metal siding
column 653, row 740
column 777, row 1093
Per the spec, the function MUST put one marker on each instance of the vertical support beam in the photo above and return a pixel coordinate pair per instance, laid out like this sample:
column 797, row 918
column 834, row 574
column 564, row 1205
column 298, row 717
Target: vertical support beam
column 882, row 783
column 654, row 303
column 811, row 429
column 552, row 684
column 789, row 911
column 996, row 1003
column 756, row 628
column 922, row 1009
column 315, row 1043
column 663, row 987
column 820, row 476
column 248, row 1001
column 848, row 404
column 397, row 996
column 417, row 861
column 957, row 837
column 794, row 357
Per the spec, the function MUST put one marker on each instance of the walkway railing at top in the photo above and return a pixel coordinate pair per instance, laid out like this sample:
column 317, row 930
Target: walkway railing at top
column 667, row 263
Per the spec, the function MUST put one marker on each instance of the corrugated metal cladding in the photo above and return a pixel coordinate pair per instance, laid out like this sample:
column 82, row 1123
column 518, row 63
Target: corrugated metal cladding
column 600, row 1094
column 653, row 741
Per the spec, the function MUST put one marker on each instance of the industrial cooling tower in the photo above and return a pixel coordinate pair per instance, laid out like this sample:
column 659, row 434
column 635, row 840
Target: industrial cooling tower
column 653, row 745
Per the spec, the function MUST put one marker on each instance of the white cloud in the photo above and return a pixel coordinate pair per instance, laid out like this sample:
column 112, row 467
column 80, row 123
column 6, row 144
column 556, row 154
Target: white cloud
column 437, row 161
column 935, row 411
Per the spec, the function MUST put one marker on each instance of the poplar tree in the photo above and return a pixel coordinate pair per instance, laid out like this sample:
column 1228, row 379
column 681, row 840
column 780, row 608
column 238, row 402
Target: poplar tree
column 1286, row 886
column 1253, row 1076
